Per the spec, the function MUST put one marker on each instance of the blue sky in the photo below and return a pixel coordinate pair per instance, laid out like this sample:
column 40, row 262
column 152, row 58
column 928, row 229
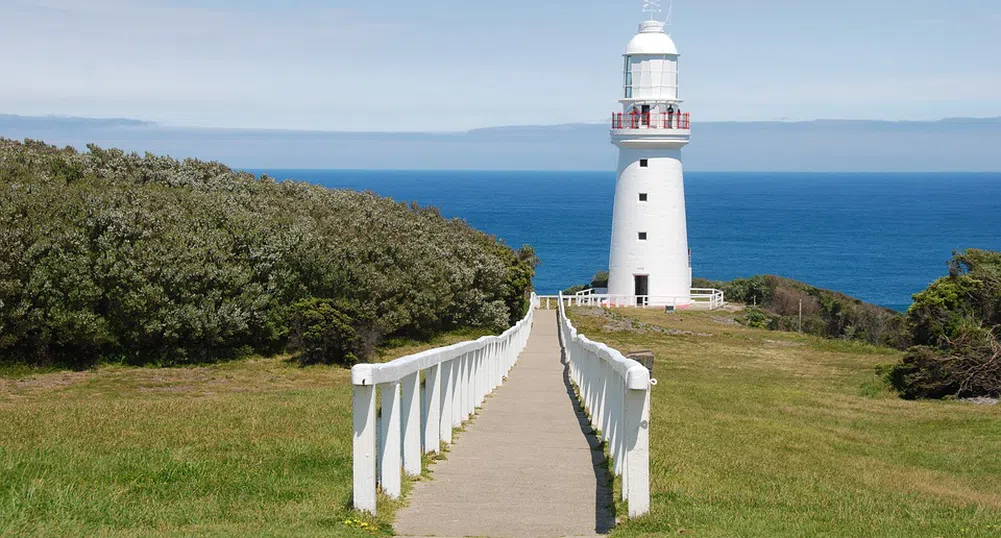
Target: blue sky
column 442, row 65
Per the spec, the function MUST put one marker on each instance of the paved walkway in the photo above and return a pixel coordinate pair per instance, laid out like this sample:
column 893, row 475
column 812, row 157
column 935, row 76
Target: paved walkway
column 524, row 467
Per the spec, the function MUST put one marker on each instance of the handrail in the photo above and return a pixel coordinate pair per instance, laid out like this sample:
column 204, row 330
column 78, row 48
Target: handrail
column 615, row 392
column 713, row 298
column 651, row 120
column 457, row 379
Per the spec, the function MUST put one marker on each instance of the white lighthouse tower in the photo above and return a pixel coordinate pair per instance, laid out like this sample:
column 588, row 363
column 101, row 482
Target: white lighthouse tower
column 649, row 254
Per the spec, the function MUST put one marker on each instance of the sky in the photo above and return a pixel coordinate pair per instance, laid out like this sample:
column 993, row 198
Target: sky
column 444, row 65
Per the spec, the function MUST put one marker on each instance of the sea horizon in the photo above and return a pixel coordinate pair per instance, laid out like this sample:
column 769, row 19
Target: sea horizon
column 877, row 236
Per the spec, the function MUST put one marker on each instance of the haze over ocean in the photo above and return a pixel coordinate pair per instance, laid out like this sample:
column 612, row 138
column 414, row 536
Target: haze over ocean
column 877, row 236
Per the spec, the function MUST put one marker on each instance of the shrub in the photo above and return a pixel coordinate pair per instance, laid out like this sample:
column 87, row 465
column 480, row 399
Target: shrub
column 330, row 332
column 970, row 367
column 147, row 259
column 600, row 280
column 824, row 313
column 956, row 322
column 757, row 318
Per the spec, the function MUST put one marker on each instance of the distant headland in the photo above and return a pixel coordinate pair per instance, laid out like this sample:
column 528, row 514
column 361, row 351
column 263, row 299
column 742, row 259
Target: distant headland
column 958, row 144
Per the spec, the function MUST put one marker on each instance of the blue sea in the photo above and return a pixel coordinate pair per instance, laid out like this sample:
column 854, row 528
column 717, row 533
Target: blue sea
column 877, row 236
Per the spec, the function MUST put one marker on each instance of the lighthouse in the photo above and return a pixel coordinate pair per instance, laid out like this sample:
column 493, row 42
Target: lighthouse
column 649, row 260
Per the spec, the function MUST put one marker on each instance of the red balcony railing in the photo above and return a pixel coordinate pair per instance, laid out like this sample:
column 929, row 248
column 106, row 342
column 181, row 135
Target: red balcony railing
column 663, row 120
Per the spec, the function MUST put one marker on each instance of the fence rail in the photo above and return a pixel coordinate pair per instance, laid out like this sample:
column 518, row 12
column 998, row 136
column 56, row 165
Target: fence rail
column 417, row 417
column 651, row 120
column 709, row 297
column 713, row 297
column 615, row 391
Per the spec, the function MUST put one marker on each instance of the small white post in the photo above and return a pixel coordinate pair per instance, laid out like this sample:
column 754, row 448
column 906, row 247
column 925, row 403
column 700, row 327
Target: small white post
column 637, row 473
column 447, row 389
column 432, row 397
column 618, row 442
column 601, row 411
column 471, row 384
column 456, row 381
column 411, row 427
column 363, row 456
column 389, row 448
column 483, row 377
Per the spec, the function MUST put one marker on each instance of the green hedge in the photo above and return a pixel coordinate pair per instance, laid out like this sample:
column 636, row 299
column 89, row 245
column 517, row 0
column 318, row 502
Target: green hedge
column 146, row 259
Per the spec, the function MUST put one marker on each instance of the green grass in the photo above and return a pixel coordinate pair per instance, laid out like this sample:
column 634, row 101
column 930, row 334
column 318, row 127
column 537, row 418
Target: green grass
column 256, row 447
column 759, row 433
column 754, row 433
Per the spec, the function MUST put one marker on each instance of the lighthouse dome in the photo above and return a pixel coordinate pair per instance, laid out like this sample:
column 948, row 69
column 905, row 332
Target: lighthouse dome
column 652, row 40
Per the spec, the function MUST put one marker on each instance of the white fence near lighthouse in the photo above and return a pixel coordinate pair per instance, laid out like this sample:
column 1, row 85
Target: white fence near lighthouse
column 417, row 416
column 703, row 299
column 615, row 391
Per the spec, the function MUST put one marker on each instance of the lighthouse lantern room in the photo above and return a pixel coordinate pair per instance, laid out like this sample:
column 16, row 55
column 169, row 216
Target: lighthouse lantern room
column 649, row 257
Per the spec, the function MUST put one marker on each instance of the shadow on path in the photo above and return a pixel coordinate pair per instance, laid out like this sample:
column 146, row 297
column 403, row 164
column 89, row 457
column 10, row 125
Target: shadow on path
column 604, row 515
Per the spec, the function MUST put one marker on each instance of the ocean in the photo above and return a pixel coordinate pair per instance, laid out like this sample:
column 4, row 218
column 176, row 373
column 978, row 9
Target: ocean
column 876, row 236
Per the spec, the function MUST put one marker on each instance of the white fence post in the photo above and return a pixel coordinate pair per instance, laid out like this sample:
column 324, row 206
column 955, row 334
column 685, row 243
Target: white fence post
column 615, row 392
column 363, row 456
column 458, row 379
column 432, row 397
column 638, row 446
column 411, row 416
column 447, row 391
column 389, row 446
column 457, row 375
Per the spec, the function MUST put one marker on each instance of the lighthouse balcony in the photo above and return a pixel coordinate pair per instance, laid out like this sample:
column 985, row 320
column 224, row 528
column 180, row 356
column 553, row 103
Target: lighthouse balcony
column 661, row 121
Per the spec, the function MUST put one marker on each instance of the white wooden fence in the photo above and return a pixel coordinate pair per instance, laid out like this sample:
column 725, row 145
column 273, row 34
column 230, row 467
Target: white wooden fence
column 457, row 378
column 701, row 298
column 615, row 391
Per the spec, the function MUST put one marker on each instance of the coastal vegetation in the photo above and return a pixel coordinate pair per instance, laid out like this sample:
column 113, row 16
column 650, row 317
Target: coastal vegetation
column 765, row 433
column 107, row 256
column 955, row 326
column 782, row 304
column 950, row 332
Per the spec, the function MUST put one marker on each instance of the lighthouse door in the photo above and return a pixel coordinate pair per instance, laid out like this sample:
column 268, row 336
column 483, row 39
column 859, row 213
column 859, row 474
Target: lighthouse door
column 642, row 289
column 645, row 116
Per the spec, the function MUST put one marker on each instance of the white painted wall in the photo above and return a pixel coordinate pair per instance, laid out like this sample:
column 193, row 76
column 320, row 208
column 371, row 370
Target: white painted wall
column 664, row 254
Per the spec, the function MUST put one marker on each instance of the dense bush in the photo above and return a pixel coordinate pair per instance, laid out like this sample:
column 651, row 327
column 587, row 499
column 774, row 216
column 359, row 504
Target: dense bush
column 325, row 330
column 955, row 323
column 149, row 259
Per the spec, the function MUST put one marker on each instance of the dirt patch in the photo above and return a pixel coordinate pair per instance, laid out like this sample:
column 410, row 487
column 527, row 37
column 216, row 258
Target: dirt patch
column 783, row 343
column 615, row 323
column 639, row 327
column 253, row 375
column 42, row 382
column 982, row 401
column 725, row 321
column 591, row 312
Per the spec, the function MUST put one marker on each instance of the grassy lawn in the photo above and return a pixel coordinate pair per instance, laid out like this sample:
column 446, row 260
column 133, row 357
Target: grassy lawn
column 248, row 448
column 758, row 433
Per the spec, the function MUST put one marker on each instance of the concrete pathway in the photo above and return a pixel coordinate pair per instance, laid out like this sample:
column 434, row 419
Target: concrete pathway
column 527, row 465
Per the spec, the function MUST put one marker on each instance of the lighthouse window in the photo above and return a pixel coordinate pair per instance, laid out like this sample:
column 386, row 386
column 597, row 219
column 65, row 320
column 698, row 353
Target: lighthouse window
column 642, row 196
column 629, row 77
column 642, row 236
column 644, row 163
